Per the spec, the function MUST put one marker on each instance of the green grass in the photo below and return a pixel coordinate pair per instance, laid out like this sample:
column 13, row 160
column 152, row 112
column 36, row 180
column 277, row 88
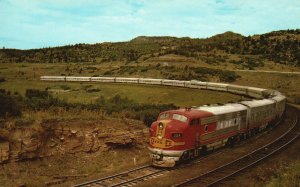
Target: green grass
column 138, row 93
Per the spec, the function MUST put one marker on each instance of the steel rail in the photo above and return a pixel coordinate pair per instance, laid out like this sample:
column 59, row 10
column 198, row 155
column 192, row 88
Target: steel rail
column 124, row 173
column 112, row 176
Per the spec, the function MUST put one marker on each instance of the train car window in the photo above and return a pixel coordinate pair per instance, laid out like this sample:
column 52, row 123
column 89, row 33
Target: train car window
column 195, row 122
column 164, row 116
column 179, row 117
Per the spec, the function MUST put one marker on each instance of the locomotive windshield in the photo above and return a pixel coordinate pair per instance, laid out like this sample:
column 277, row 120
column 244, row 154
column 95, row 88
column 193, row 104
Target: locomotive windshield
column 180, row 117
column 164, row 116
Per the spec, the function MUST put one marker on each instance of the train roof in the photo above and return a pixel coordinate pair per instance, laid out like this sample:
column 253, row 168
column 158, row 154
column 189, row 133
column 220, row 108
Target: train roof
column 222, row 109
column 151, row 79
column 206, row 111
column 102, row 77
column 217, row 84
column 191, row 113
column 127, row 78
column 52, row 76
column 167, row 80
column 236, row 86
column 256, row 89
column 279, row 97
column 198, row 82
column 73, row 77
column 257, row 103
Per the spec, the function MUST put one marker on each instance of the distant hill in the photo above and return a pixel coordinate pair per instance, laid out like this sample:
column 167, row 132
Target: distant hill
column 278, row 46
column 227, row 36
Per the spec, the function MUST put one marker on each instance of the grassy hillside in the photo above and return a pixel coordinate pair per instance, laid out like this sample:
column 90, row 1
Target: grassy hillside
column 280, row 47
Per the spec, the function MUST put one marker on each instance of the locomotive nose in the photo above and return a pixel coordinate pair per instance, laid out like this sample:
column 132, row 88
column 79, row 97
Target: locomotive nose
column 166, row 143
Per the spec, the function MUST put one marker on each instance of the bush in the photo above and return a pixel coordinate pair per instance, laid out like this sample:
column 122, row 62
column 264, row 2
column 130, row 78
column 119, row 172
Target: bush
column 148, row 116
column 2, row 79
column 93, row 90
column 117, row 104
column 148, row 112
column 33, row 93
column 228, row 76
column 65, row 87
column 37, row 99
column 9, row 105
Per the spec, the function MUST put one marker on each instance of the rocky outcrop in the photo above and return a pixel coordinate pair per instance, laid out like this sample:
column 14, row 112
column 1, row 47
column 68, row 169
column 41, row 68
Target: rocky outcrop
column 35, row 144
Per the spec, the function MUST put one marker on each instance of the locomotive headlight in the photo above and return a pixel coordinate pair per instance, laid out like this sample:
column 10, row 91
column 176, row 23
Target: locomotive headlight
column 160, row 125
column 177, row 135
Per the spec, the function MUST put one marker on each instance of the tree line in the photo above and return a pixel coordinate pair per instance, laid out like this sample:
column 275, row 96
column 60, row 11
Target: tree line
column 279, row 46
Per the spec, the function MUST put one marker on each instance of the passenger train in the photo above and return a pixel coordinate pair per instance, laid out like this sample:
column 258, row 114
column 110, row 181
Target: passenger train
column 182, row 134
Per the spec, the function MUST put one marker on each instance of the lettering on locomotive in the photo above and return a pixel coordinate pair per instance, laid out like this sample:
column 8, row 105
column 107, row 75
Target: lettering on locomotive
column 164, row 143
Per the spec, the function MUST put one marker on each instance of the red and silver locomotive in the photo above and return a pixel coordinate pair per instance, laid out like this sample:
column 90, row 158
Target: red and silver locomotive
column 185, row 133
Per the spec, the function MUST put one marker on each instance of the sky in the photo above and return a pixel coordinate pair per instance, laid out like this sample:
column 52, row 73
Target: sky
column 27, row 24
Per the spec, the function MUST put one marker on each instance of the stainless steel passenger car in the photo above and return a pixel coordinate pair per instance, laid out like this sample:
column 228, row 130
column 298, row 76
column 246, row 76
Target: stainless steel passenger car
column 80, row 79
column 217, row 86
column 198, row 84
column 237, row 89
column 172, row 83
column 103, row 79
column 280, row 104
column 260, row 113
column 150, row 81
column 53, row 78
column 127, row 80
column 259, row 93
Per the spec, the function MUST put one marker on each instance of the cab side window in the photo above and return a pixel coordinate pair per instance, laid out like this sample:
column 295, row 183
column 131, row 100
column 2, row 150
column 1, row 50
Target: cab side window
column 206, row 128
column 195, row 122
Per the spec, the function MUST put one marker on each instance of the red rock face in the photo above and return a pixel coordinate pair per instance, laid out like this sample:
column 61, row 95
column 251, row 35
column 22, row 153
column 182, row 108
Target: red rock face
column 64, row 138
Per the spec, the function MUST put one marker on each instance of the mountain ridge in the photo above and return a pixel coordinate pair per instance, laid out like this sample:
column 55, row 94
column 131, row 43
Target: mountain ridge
column 279, row 46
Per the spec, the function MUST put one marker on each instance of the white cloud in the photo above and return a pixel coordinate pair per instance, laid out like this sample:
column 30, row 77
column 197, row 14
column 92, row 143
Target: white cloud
column 35, row 23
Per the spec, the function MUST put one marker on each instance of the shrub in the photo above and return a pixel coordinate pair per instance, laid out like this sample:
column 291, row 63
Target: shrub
column 117, row 104
column 31, row 93
column 148, row 112
column 148, row 116
column 37, row 99
column 2, row 79
column 65, row 87
column 9, row 105
column 228, row 76
column 93, row 90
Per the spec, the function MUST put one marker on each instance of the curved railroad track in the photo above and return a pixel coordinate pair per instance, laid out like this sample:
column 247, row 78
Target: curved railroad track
column 137, row 175
column 221, row 173
column 126, row 178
